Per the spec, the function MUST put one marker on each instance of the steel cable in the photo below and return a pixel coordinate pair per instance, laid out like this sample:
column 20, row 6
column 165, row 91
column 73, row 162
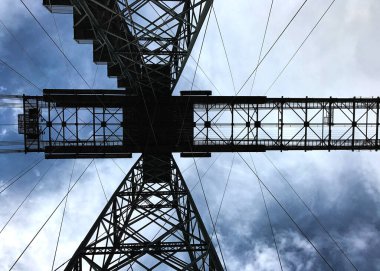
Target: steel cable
column 63, row 216
column 59, row 48
column 262, row 45
column 298, row 49
column 9, row 183
column 33, row 84
column 267, row 212
column 22, row 47
column 52, row 213
column 311, row 212
column 224, row 48
column 273, row 44
column 288, row 214
column 209, row 213
column 26, row 197
column 100, row 181
column 220, row 208
column 190, row 56
column 21, row 75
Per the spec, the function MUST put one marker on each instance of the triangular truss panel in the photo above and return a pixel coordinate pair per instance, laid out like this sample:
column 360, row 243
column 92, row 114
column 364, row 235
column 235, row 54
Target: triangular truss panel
column 150, row 223
column 145, row 43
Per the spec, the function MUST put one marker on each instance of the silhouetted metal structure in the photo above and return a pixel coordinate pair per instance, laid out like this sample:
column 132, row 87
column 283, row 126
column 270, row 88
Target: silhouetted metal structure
column 151, row 221
column 145, row 44
column 108, row 123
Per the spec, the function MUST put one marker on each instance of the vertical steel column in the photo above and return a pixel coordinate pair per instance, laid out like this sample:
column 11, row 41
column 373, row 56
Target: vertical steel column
column 257, row 120
column 377, row 123
column 76, row 125
column 49, row 119
column 330, row 121
column 306, row 123
column 24, row 117
column 93, row 125
column 281, row 123
column 353, row 124
column 232, row 123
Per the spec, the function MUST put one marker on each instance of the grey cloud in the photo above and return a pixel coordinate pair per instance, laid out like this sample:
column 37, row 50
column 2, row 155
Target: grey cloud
column 340, row 59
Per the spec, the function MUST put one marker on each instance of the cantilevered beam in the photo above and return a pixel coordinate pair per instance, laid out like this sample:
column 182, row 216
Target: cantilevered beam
column 103, row 123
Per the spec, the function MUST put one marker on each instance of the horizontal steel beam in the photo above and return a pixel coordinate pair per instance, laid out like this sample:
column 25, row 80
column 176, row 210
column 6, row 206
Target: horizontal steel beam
column 109, row 123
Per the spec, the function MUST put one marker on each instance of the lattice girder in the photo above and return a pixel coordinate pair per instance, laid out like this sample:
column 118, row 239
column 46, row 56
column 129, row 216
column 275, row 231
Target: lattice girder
column 150, row 223
column 139, row 40
column 118, row 125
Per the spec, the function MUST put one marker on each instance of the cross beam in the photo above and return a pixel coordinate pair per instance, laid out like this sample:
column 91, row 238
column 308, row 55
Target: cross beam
column 109, row 123
column 145, row 44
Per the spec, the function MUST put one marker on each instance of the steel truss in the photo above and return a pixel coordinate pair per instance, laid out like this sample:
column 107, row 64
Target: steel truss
column 287, row 123
column 81, row 123
column 145, row 43
column 150, row 222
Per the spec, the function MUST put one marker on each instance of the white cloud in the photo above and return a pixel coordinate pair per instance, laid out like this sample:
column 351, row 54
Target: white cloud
column 340, row 59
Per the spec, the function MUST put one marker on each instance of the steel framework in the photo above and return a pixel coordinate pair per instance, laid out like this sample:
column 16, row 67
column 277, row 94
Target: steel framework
column 145, row 44
column 80, row 123
column 150, row 222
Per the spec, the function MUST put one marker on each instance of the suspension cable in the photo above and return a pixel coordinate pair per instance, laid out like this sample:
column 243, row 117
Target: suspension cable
column 299, row 48
column 228, row 178
column 200, row 51
column 219, row 209
column 224, row 48
column 18, row 173
column 26, row 197
column 204, row 174
column 288, row 214
column 195, row 72
column 270, row 49
column 225, row 189
column 262, row 46
column 59, row 39
column 63, row 215
column 19, row 74
column 267, row 212
column 113, row 160
column 311, row 212
column 60, row 266
column 209, row 212
column 100, row 181
column 266, row 54
column 191, row 57
column 207, row 77
column 9, row 183
column 62, row 52
column 52, row 213
column 21, row 46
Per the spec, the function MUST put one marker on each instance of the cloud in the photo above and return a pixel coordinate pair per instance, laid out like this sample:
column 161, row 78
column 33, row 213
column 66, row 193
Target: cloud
column 342, row 188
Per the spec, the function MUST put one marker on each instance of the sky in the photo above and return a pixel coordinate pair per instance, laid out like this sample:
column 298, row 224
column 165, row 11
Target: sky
column 342, row 188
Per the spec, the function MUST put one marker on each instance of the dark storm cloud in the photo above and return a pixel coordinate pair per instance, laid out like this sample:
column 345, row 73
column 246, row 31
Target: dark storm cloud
column 346, row 209
column 342, row 189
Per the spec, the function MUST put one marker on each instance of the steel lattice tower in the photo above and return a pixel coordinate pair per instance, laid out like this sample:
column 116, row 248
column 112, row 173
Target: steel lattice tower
column 147, row 55
column 151, row 221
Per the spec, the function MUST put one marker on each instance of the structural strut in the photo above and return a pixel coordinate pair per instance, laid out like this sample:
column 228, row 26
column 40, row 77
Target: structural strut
column 150, row 222
column 108, row 123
